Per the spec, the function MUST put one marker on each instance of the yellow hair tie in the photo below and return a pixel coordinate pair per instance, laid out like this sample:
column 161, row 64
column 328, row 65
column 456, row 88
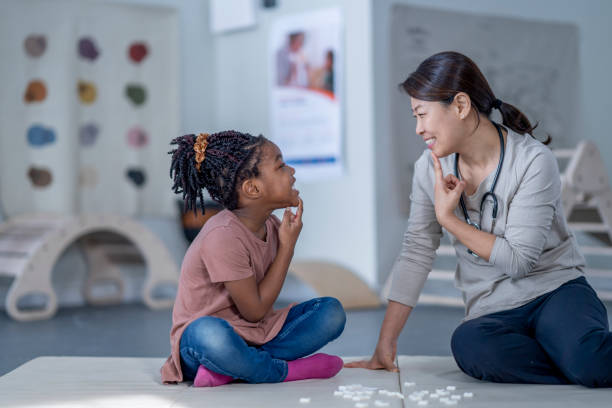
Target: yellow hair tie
column 200, row 148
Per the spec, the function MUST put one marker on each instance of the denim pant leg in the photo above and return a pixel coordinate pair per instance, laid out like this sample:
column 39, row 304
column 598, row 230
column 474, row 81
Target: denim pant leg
column 213, row 343
column 309, row 326
column 500, row 348
column 572, row 326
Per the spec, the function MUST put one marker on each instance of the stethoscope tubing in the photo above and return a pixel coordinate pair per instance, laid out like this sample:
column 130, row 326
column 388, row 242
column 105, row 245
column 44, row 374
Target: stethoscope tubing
column 491, row 191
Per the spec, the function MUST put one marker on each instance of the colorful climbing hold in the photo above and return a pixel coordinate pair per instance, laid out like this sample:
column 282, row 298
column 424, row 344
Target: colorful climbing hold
column 137, row 176
column 35, row 45
column 40, row 177
column 87, row 92
column 88, row 177
column 35, row 92
column 88, row 134
column 138, row 51
column 137, row 137
column 39, row 136
column 137, row 94
column 88, row 49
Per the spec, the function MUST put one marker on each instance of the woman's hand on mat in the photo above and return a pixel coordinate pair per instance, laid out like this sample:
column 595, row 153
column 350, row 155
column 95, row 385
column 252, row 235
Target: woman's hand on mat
column 447, row 192
column 383, row 358
column 291, row 226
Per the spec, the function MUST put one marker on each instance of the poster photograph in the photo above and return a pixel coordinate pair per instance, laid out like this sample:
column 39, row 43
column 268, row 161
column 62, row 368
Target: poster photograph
column 306, row 94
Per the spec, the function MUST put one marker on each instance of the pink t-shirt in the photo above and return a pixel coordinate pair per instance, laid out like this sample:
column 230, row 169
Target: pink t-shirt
column 224, row 250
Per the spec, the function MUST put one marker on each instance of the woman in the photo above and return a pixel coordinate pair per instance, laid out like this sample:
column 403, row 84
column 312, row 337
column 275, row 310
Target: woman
column 531, row 317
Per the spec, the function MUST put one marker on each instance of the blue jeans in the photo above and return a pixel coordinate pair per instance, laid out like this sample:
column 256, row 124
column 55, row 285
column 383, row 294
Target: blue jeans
column 213, row 343
column 561, row 337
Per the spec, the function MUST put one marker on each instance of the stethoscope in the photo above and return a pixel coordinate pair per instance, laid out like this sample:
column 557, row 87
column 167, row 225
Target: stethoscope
column 489, row 193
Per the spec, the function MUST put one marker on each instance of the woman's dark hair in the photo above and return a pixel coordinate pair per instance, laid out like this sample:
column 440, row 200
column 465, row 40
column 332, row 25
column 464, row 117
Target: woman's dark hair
column 440, row 77
column 230, row 158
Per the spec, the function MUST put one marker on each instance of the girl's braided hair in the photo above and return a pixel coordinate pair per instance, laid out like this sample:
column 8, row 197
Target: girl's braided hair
column 229, row 158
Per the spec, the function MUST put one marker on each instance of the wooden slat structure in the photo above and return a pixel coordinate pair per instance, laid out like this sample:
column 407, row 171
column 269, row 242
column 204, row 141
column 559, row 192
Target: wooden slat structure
column 30, row 245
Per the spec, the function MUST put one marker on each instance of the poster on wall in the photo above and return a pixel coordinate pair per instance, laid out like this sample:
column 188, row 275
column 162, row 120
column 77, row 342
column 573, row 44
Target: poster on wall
column 306, row 94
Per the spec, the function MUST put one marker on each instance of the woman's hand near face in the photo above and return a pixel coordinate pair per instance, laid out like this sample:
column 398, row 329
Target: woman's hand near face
column 447, row 192
column 290, row 227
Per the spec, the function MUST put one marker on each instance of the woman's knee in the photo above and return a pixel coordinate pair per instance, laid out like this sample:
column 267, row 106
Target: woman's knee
column 589, row 373
column 462, row 337
column 586, row 367
column 471, row 343
column 334, row 316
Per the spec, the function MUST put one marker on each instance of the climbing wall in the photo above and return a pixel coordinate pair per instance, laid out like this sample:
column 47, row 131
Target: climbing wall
column 89, row 103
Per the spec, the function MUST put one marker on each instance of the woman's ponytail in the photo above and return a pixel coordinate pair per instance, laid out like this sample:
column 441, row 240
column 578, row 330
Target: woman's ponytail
column 516, row 120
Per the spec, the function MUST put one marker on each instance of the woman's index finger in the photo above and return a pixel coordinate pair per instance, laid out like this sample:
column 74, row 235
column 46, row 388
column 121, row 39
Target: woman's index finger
column 437, row 167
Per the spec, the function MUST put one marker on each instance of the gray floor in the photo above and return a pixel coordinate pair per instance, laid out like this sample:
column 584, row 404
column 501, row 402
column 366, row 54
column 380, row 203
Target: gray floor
column 133, row 330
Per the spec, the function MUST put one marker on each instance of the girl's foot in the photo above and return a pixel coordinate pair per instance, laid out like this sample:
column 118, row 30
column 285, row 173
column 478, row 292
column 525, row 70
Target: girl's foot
column 206, row 378
column 316, row 366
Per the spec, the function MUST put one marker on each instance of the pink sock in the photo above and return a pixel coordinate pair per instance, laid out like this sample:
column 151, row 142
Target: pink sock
column 316, row 366
column 206, row 378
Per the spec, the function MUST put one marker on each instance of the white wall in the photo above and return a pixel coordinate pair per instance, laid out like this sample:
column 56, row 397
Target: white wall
column 339, row 215
column 595, row 32
column 225, row 86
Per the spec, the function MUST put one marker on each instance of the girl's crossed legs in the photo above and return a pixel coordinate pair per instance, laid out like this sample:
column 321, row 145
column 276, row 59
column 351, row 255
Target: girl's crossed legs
column 213, row 343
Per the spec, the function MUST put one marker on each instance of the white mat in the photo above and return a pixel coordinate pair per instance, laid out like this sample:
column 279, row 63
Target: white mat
column 432, row 373
column 135, row 382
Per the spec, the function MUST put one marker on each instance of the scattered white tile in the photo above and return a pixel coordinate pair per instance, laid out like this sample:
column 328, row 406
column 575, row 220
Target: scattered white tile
column 362, row 405
column 451, row 388
column 456, row 397
column 379, row 403
column 422, row 402
column 304, row 400
column 409, row 384
column 468, row 394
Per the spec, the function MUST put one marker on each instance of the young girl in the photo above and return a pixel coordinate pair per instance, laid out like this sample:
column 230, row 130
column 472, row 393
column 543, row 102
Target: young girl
column 223, row 324
column 531, row 316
